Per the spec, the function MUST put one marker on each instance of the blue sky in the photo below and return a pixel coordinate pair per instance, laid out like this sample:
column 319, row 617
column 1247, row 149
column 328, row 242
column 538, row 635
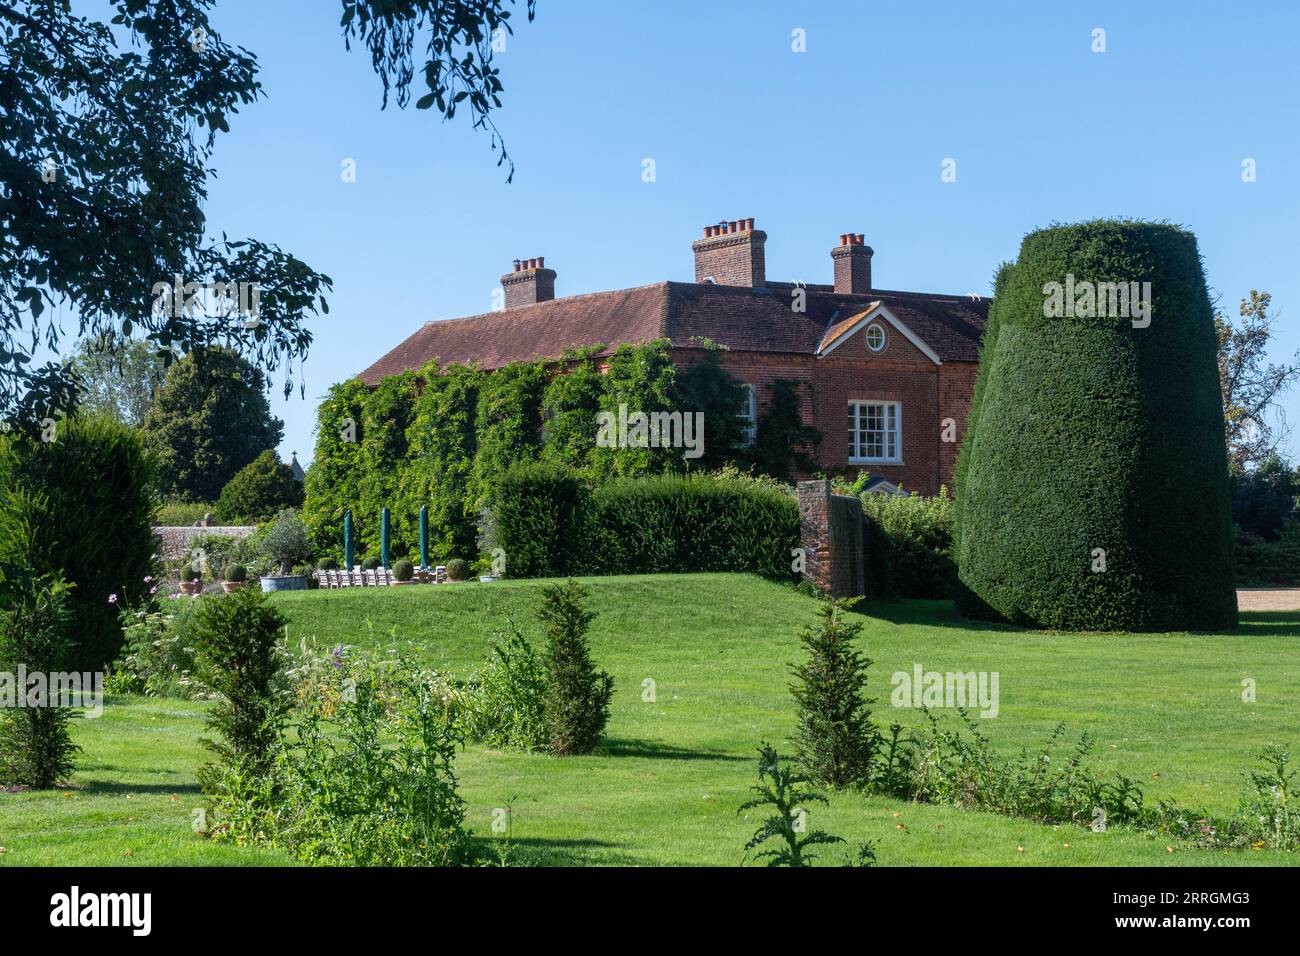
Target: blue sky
column 847, row 136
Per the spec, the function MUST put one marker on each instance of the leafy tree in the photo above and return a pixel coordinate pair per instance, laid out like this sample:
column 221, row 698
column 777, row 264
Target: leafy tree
column 96, row 483
column 259, row 490
column 1264, row 497
column 782, row 445
column 836, row 738
column 35, row 633
column 106, row 151
column 211, row 419
column 1250, row 385
column 577, row 694
column 119, row 378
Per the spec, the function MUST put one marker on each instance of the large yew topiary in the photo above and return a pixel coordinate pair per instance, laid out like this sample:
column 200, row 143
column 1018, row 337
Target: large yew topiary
column 1091, row 435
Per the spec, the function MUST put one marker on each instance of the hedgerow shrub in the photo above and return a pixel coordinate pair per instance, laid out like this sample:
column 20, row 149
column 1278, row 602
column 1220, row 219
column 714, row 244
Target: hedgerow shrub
column 183, row 514
column 96, row 482
column 457, row 569
column 536, row 512
column 1261, row 563
column 684, row 523
column 260, row 489
column 1090, row 436
column 917, row 533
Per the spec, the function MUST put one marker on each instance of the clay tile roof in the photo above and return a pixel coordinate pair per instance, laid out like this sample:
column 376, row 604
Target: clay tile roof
column 743, row 319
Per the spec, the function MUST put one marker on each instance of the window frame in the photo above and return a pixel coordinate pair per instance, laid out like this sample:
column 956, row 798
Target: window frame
column 857, row 416
column 884, row 338
column 750, row 415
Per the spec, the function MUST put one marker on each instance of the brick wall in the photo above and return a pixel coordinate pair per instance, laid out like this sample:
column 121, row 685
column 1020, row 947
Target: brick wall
column 831, row 535
column 901, row 373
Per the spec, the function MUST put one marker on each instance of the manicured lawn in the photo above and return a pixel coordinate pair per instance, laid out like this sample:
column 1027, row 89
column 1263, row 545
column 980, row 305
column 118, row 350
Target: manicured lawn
column 1165, row 709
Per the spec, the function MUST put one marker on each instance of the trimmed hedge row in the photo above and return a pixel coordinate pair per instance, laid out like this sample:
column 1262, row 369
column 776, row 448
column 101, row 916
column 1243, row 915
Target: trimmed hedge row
column 550, row 524
column 1263, row 564
column 916, row 534
column 1090, row 435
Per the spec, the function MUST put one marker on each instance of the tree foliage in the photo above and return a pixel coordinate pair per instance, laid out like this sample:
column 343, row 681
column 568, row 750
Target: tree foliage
column 118, row 378
column 95, row 480
column 1250, row 384
column 211, row 418
column 259, row 490
column 106, row 143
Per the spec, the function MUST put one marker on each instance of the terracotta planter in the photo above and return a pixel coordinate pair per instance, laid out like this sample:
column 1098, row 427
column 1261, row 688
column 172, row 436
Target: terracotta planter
column 191, row 587
column 231, row 586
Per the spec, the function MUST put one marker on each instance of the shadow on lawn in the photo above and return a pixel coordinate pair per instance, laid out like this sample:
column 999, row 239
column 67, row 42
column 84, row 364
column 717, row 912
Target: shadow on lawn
column 927, row 613
column 105, row 786
column 537, row 851
column 621, row 747
column 1269, row 623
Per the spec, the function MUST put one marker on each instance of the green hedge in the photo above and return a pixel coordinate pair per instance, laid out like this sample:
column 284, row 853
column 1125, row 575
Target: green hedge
column 537, row 513
column 95, row 488
column 549, row 524
column 916, row 533
column 444, row 437
column 1088, row 433
column 1263, row 564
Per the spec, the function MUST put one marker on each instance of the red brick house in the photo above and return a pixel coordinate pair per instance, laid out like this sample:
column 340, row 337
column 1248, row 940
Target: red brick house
column 888, row 376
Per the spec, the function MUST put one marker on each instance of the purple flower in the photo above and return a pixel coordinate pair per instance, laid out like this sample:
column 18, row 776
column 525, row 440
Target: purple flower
column 153, row 590
column 148, row 578
column 112, row 599
column 337, row 654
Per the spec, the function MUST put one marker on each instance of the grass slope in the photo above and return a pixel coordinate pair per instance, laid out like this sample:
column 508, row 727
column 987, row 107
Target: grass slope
column 1165, row 709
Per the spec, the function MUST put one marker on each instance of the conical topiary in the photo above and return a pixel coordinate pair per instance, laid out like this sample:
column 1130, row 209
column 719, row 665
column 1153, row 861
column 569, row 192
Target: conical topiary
column 1092, row 487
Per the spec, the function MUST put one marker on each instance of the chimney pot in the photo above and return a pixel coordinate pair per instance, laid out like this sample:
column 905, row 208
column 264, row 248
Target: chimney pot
column 529, row 283
column 739, row 262
column 852, row 261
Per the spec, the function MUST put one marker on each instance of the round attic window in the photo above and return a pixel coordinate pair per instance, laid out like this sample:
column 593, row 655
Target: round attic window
column 875, row 337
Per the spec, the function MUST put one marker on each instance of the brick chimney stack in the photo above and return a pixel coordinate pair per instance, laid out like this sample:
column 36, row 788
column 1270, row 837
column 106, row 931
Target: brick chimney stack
column 731, row 253
column 852, row 258
column 529, row 282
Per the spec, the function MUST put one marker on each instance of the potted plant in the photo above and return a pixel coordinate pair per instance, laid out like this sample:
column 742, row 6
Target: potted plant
column 234, row 578
column 403, row 572
column 191, row 580
column 286, row 544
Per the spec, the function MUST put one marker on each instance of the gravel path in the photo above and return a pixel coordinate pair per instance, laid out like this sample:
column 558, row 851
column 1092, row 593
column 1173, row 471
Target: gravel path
column 1268, row 599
